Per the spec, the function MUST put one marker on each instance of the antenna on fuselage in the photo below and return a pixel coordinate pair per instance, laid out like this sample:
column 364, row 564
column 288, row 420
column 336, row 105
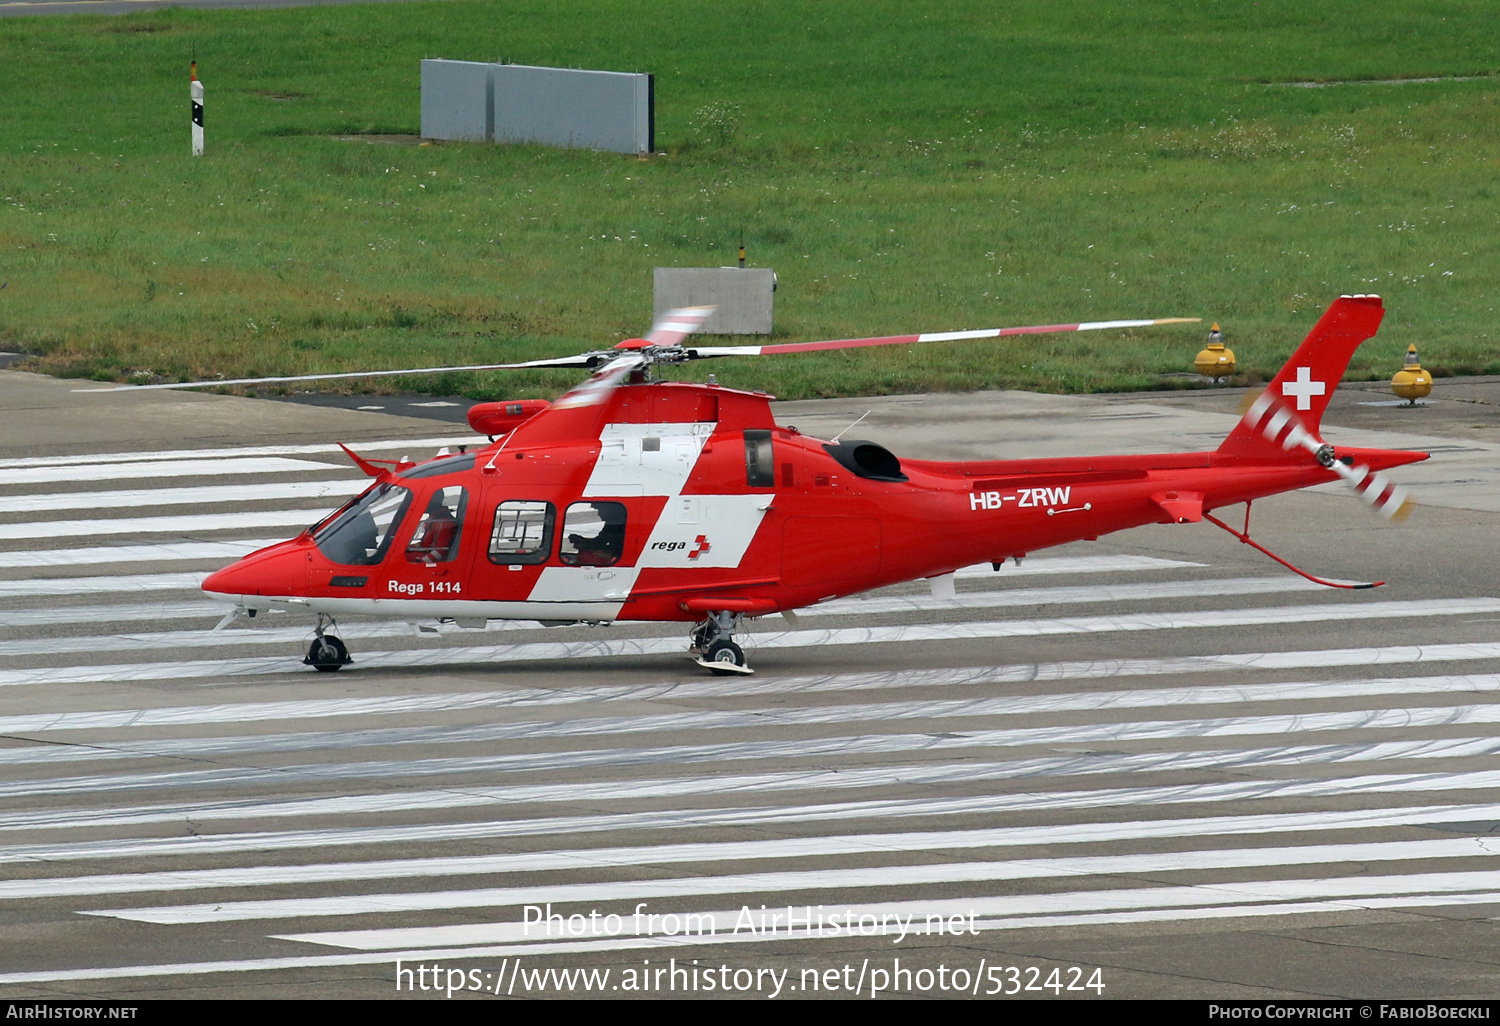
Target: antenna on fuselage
column 851, row 427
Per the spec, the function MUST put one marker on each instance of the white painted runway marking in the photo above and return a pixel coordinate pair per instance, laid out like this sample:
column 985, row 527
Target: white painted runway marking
column 1087, row 594
column 188, row 523
column 838, row 880
column 197, row 640
column 614, row 859
column 50, row 474
column 106, row 614
column 154, row 553
column 515, row 938
column 1449, row 817
column 1075, row 565
column 930, row 787
column 904, row 775
column 403, row 705
column 208, row 495
column 36, row 587
column 316, row 449
column 670, row 944
column 855, row 777
column 903, row 634
column 863, row 744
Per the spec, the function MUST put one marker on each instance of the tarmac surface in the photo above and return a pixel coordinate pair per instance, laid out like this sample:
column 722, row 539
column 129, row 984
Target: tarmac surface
column 1158, row 763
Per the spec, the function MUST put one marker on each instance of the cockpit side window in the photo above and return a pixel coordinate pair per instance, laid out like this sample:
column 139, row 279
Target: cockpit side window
column 436, row 538
column 360, row 535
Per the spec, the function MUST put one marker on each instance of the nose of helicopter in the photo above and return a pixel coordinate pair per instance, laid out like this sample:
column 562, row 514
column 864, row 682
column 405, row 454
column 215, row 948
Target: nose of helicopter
column 278, row 570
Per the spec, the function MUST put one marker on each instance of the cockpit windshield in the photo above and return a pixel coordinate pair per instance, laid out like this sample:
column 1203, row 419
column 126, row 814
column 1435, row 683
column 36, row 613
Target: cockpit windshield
column 360, row 535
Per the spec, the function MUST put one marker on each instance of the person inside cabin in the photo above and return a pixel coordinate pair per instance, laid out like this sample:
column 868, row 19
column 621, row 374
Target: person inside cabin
column 436, row 538
column 603, row 548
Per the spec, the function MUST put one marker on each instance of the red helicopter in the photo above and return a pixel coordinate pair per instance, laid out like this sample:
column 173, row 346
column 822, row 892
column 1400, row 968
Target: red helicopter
column 631, row 498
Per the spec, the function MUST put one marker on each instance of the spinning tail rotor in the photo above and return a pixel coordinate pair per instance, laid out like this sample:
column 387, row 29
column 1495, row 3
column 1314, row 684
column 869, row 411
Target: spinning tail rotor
column 1280, row 425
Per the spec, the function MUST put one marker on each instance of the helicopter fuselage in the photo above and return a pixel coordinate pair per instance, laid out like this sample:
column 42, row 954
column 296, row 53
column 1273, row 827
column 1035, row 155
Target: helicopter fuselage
column 669, row 501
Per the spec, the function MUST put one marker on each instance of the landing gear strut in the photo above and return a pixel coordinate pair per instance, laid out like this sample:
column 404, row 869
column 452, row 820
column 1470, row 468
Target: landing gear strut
column 714, row 647
column 327, row 653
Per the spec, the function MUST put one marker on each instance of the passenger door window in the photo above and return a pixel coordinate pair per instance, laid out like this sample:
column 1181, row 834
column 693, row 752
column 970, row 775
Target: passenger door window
column 522, row 532
column 593, row 534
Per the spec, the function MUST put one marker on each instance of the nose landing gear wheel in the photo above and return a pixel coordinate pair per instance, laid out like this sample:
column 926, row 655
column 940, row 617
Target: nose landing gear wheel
column 327, row 654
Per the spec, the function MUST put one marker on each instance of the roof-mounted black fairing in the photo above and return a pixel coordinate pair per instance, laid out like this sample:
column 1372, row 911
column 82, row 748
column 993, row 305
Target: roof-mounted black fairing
column 867, row 460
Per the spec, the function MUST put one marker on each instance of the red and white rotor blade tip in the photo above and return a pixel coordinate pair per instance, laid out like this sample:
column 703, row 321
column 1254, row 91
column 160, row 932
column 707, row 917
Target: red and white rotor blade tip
column 1379, row 492
column 676, row 325
column 934, row 336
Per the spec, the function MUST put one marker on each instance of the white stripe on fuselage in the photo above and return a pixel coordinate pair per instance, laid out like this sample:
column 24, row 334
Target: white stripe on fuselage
column 627, row 467
column 710, row 531
column 705, row 530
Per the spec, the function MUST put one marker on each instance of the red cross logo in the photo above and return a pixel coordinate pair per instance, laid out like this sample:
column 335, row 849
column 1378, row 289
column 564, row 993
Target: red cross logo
column 703, row 547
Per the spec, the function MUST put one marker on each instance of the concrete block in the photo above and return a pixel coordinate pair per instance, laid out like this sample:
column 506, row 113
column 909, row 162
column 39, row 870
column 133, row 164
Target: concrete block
column 594, row 110
column 742, row 296
column 458, row 101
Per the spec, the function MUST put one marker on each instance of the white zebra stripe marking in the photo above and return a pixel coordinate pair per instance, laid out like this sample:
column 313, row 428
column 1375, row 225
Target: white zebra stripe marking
column 232, row 467
column 1075, row 565
column 851, row 607
column 472, row 797
column 402, row 705
column 188, row 523
column 902, row 634
column 161, row 552
column 36, row 587
column 107, row 614
column 918, row 908
column 755, row 851
column 922, row 916
column 855, row 777
column 316, row 449
column 208, row 495
column 1432, row 816
column 839, row 881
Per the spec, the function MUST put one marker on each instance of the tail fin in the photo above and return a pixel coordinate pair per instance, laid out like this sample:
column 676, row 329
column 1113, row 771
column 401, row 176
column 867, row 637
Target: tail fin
column 1300, row 392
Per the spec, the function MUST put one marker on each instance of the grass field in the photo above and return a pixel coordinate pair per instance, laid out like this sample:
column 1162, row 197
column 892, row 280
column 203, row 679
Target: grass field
column 903, row 167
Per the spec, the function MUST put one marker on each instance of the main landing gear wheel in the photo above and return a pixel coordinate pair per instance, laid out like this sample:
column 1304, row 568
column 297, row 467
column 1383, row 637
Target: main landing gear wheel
column 713, row 644
column 724, row 658
column 327, row 653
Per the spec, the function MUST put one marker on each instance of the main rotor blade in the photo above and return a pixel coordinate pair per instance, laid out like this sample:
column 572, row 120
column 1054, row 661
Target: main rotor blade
column 676, row 325
column 597, row 388
column 704, row 352
column 582, row 360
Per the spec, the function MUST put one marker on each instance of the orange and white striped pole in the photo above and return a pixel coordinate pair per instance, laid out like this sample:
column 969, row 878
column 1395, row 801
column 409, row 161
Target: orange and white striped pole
column 197, row 92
